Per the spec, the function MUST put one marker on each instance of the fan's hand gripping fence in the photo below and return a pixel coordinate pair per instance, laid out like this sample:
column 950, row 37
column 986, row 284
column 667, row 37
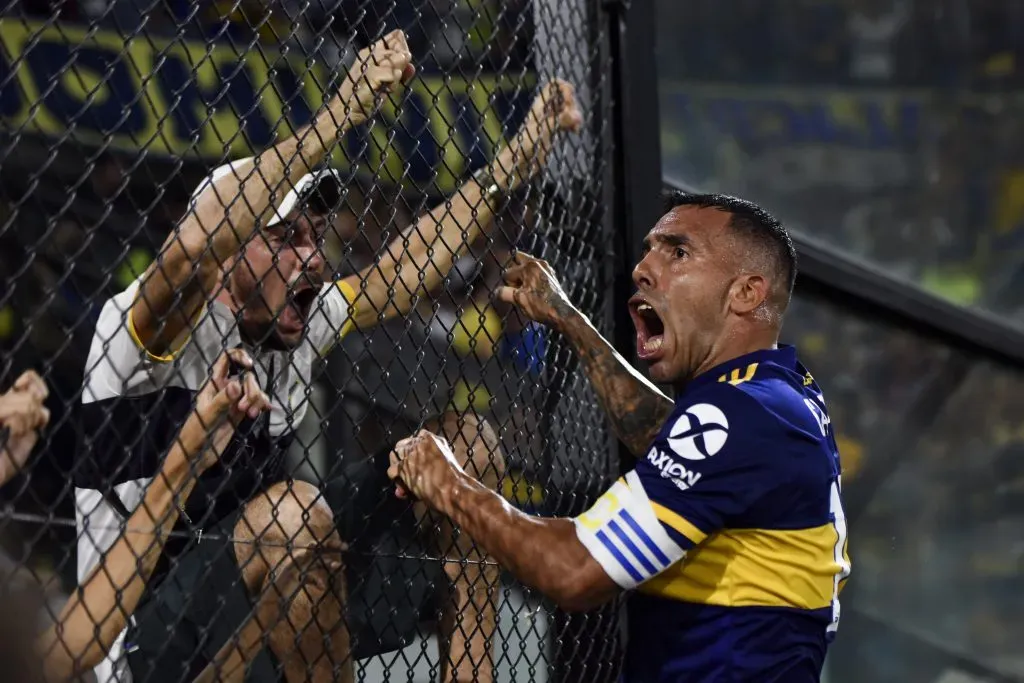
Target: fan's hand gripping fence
column 247, row 247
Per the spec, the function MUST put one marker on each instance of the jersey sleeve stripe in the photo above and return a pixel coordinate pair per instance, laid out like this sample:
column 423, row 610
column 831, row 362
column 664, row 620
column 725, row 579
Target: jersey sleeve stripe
column 678, row 523
column 167, row 358
column 642, row 535
column 631, row 547
column 619, row 557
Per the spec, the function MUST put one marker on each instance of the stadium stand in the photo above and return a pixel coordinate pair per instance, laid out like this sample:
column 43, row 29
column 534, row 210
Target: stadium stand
column 886, row 133
column 886, row 130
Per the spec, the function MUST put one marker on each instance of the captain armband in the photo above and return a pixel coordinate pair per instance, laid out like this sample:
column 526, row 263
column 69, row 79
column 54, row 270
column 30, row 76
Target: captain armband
column 624, row 535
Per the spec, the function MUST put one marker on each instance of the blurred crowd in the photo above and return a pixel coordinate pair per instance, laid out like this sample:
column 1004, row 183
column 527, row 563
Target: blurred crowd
column 446, row 33
column 849, row 42
column 889, row 128
column 938, row 537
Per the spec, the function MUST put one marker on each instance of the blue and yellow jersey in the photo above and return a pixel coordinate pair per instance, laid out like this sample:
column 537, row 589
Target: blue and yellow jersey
column 732, row 531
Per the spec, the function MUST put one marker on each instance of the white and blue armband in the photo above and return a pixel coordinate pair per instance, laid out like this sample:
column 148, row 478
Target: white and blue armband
column 624, row 535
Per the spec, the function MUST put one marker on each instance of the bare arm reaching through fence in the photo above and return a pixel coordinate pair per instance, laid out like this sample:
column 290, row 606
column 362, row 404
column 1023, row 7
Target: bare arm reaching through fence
column 229, row 210
column 419, row 259
column 98, row 611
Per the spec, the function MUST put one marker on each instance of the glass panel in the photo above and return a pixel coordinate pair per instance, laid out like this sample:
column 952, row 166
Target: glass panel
column 889, row 128
column 933, row 472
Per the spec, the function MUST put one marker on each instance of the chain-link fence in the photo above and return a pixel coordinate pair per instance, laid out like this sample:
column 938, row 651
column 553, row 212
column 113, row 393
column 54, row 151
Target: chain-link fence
column 181, row 179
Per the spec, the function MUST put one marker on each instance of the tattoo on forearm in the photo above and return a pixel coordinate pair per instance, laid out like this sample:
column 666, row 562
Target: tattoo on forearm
column 636, row 409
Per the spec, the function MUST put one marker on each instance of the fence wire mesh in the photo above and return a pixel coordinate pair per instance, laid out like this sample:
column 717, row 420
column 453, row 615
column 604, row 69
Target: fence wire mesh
column 296, row 180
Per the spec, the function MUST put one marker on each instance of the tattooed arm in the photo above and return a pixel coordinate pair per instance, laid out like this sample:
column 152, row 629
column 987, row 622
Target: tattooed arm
column 636, row 407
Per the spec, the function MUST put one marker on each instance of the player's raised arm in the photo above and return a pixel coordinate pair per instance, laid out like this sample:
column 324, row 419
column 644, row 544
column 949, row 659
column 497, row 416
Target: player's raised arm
column 636, row 408
column 98, row 611
column 228, row 210
column 421, row 257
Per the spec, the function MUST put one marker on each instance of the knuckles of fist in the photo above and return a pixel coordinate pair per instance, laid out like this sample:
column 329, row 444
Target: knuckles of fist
column 421, row 465
column 388, row 61
column 21, row 407
column 232, row 392
column 531, row 286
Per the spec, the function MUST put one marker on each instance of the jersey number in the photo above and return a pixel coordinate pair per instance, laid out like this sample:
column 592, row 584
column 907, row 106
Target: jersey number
column 820, row 416
column 839, row 551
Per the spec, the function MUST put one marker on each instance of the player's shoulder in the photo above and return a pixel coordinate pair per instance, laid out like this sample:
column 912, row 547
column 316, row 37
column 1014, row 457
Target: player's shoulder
column 763, row 395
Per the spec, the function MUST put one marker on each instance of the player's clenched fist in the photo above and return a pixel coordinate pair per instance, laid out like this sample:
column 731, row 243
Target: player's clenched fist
column 223, row 402
column 423, row 466
column 376, row 71
column 22, row 416
column 531, row 286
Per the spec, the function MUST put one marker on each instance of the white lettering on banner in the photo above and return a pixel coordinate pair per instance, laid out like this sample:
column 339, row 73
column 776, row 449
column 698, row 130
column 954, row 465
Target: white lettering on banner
column 681, row 477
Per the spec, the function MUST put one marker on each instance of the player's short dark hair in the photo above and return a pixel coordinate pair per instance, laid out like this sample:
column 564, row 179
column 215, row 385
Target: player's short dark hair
column 752, row 222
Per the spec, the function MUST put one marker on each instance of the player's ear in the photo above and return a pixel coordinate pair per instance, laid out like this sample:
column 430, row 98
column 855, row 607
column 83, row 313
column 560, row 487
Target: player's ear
column 747, row 293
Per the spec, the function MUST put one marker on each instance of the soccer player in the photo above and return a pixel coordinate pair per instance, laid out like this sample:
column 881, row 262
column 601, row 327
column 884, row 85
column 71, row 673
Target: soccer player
column 730, row 529
column 245, row 267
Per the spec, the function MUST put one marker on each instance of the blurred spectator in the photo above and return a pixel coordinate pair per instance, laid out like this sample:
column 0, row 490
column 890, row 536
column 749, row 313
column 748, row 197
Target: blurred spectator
column 997, row 41
column 918, row 171
column 874, row 29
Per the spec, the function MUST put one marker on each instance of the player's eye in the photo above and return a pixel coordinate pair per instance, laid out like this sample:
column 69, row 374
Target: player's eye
column 680, row 252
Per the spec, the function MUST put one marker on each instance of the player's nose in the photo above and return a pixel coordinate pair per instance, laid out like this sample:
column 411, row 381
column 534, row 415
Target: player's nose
column 643, row 274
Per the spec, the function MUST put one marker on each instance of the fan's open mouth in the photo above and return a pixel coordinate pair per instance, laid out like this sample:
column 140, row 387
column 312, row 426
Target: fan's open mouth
column 300, row 302
column 303, row 302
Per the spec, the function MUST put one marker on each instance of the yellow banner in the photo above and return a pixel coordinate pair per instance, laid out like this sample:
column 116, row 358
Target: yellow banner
column 190, row 99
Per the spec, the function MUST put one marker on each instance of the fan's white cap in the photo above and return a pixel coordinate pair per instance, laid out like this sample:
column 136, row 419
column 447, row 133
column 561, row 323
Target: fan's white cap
column 306, row 185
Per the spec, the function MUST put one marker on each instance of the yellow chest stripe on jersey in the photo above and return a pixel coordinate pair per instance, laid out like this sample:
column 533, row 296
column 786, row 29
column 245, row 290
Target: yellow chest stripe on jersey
column 755, row 568
column 677, row 522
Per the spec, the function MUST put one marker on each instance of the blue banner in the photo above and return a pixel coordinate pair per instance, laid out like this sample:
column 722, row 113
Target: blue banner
column 787, row 139
column 189, row 99
column 762, row 117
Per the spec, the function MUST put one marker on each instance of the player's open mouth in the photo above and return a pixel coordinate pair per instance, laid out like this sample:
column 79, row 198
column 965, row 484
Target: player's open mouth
column 650, row 330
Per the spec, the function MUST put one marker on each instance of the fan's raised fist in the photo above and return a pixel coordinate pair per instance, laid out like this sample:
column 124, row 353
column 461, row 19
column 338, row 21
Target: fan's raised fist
column 377, row 71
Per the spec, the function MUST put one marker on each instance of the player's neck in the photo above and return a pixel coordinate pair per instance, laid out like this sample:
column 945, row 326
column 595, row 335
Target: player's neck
column 733, row 346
